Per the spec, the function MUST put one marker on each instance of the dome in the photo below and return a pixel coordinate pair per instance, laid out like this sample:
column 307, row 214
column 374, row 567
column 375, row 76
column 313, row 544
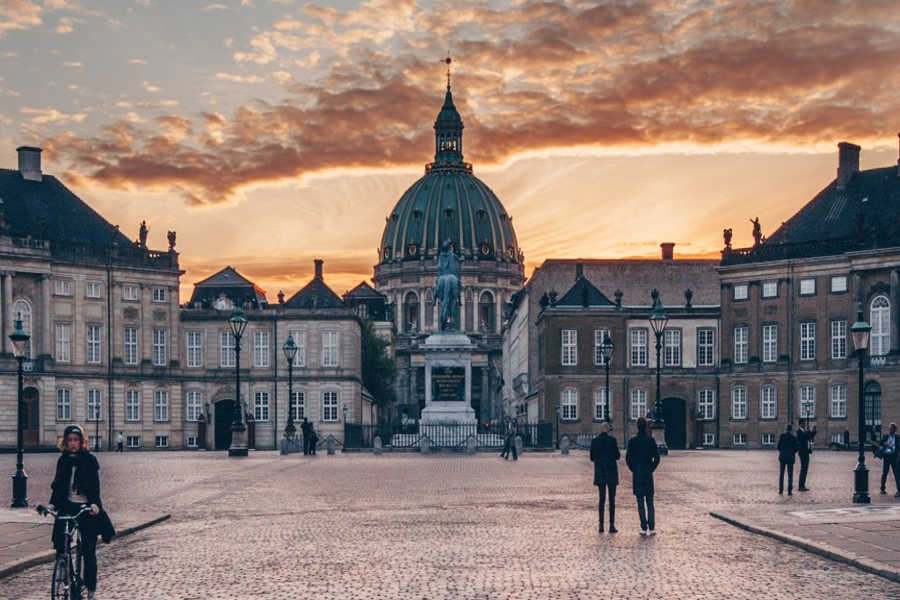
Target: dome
column 449, row 203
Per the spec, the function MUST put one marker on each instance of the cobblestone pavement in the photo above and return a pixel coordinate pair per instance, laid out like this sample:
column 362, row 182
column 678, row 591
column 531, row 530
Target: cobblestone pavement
column 449, row 526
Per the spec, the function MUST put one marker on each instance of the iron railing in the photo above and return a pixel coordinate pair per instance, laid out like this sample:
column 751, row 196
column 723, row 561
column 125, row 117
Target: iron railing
column 450, row 436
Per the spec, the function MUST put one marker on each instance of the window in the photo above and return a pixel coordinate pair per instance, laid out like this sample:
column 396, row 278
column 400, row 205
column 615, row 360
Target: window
column 838, row 339
column 192, row 441
column 739, row 439
column 298, row 405
column 807, row 401
column 706, row 347
column 130, row 292
column 129, row 336
column 837, row 438
column 638, row 347
column 330, row 349
column 329, row 406
column 193, row 407
column 838, row 284
column 600, row 405
column 486, row 312
column 808, row 340
column 63, row 342
column 672, row 348
column 706, row 405
column 93, row 405
column 161, row 405
column 880, row 317
column 741, row 344
column 162, row 441
column 569, row 404
column 768, row 402
column 838, row 400
column 709, row 439
column 638, row 403
column 159, row 347
column 62, row 287
column 769, row 289
column 63, row 404
column 300, row 341
column 22, row 310
column 93, row 344
column 261, row 406
column 92, row 289
column 569, row 352
column 133, row 441
column 226, row 349
column 194, row 349
column 738, row 402
column 599, row 336
column 159, row 294
column 95, row 442
column 768, row 439
column 132, row 405
column 741, row 291
column 808, row 286
column 261, row 349
column 770, row 343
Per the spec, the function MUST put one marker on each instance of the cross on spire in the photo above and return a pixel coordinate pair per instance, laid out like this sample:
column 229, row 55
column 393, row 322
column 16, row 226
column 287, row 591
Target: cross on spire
column 448, row 60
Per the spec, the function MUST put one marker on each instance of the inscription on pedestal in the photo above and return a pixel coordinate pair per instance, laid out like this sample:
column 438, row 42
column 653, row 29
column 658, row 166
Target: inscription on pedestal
column 448, row 384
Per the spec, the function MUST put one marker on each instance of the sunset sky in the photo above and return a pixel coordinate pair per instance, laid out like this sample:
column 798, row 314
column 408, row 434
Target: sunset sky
column 270, row 132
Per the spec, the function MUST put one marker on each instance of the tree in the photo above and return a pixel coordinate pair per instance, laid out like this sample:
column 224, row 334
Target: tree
column 378, row 368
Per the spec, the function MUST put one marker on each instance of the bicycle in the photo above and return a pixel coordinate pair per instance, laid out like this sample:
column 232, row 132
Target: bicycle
column 67, row 583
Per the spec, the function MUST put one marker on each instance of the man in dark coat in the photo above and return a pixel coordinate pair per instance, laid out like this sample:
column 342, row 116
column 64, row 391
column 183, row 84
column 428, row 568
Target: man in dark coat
column 642, row 457
column 306, row 429
column 804, row 449
column 604, row 454
column 787, row 451
column 889, row 450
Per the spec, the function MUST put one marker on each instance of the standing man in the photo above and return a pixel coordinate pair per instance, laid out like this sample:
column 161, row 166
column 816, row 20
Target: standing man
column 890, row 454
column 787, row 449
column 509, row 442
column 804, row 449
column 120, row 443
column 604, row 454
column 642, row 457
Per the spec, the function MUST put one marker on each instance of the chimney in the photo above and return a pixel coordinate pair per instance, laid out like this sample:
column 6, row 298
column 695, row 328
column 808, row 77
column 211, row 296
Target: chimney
column 668, row 250
column 848, row 163
column 318, row 263
column 30, row 163
column 579, row 271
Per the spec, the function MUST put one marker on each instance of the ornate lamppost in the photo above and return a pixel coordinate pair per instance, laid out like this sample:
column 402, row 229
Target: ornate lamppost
column 859, row 331
column 290, row 353
column 19, row 338
column 606, row 349
column 237, row 323
column 658, row 321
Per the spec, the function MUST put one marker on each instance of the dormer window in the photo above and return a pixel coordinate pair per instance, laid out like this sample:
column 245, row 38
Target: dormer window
column 481, row 213
column 448, row 213
column 417, row 214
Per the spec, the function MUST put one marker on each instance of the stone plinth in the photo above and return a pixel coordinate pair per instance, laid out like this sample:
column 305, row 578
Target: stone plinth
column 448, row 378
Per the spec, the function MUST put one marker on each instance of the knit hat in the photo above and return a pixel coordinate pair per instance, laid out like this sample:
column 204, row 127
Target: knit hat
column 73, row 429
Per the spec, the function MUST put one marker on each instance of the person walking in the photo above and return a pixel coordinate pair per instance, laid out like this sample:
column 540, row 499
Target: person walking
column 313, row 440
column 804, row 449
column 642, row 457
column 604, row 454
column 889, row 451
column 306, row 429
column 120, row 443
column 509, row 441
column 787, row 451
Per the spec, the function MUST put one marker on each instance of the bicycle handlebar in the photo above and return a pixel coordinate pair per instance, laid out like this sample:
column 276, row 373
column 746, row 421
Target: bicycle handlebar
column 44, row 511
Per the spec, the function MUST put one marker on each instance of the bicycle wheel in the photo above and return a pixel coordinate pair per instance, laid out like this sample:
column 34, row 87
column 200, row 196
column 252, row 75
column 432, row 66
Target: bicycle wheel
column 62, row 579
column 77, row 589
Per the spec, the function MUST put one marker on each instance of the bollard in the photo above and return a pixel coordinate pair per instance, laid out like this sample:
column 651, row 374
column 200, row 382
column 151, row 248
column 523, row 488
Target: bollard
column 329, row 443
column 376, row 445
column 425, row 445
column 519, row 445
column 564, row 445
column 471, row 445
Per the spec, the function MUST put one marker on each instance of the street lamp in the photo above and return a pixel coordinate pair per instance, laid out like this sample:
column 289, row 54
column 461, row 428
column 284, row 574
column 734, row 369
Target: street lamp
column 290, row 353
column 860, row 334
column 557, row 426
column 658, row 321
column 20, row 480
column 344, row 410
column 606, row 349
column 237, row 323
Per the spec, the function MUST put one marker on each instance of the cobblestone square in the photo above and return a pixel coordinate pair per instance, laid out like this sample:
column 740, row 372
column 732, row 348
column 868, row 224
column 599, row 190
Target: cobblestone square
column 449, row 526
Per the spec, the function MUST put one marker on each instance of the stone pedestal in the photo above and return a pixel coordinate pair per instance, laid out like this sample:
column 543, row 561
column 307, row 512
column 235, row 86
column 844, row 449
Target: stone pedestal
column 448, row 379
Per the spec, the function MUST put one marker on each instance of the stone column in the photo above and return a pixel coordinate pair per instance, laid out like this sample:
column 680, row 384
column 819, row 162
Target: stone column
column 895, row 314
column 7, row 311
column 498, row 306
column 46, row 346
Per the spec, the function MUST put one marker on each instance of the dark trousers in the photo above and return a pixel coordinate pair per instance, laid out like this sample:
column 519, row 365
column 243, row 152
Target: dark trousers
column 790, row 477
column 648, row 514
column 509, row 446
column 888, row 463
column 119, row 447
column 612, row 503
column 804, row 468
column 88, row 526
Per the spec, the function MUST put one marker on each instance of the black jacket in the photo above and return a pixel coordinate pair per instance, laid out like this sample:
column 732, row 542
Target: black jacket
column 804, row 437
column 604, row 454
column 642, row 457
column 87, row 482
column 787, row 448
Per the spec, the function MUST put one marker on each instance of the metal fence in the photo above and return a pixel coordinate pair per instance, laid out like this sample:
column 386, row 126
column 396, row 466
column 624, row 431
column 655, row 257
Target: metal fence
column 451, row 436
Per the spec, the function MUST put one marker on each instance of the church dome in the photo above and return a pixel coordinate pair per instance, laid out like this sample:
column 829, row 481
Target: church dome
column 449, row 203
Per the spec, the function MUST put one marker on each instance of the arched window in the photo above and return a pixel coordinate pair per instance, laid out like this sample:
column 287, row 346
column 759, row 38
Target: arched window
column 411, row 312
column 22, row 310
column 880, row 318
column 486, row 312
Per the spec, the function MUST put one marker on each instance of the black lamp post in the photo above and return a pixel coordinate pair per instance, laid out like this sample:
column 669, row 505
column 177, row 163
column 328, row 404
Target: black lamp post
column 557, row 426
column 658, row 321
column 290, row 353
column 20, row 480
column 860, row 334
column 607, row 350
column 238, row 323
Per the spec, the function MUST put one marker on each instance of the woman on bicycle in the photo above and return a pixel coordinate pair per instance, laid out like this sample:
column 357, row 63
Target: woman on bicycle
column 77, row 482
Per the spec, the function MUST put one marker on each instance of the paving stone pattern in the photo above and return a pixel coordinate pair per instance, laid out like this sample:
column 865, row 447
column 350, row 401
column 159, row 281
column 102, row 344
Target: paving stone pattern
column 449, row 526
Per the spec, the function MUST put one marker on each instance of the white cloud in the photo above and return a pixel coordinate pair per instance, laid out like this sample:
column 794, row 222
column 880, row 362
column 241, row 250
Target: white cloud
column 239, row 78
column 153, row 89
column 74, row 64
column 51, row 115
column 138, row 61
column 210, row 7
column 19, row 14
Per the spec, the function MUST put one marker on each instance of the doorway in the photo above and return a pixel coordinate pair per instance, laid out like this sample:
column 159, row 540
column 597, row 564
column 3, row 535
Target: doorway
column 674, row 415
column 224, row 418
column 31, row 418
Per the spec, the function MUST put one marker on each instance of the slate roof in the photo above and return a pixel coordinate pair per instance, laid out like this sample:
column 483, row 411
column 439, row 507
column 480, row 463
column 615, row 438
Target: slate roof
column 315, row 294
column 230, row 283
column 584, row 293
column 363, row 291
